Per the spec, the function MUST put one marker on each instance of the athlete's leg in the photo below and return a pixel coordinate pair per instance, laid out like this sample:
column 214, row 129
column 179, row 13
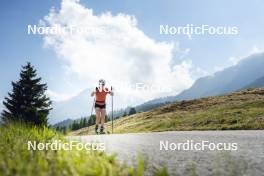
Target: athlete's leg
column 103, row 112
column 97, row 120
column 98, row 116
column 102, row 120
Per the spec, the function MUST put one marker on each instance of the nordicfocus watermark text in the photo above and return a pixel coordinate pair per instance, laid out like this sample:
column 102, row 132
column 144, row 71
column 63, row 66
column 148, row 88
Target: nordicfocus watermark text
column 58, row 29
column 190, row 145
column 204, row 29
column 59, row 145
column 139, row 87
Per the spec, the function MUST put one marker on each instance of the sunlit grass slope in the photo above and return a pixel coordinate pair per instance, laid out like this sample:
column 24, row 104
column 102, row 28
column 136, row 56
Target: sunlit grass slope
column 241, row 110
column 16, row 159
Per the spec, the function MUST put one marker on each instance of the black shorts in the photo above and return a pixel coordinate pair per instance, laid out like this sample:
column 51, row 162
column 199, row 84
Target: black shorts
column 99, row 106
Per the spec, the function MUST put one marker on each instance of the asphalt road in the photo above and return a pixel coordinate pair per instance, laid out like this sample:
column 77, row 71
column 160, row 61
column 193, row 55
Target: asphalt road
column 248, row 159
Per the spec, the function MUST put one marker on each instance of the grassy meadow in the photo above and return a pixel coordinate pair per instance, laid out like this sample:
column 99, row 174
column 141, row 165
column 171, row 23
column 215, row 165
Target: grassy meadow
column 242, row 110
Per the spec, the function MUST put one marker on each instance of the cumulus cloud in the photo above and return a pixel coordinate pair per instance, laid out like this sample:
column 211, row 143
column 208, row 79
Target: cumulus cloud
column 232, row 61
column 55, row 96
column 117, row 50
column 255, row 50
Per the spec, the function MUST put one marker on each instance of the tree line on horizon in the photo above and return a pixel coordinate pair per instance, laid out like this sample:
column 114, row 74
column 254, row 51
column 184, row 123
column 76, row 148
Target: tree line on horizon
column 88, row 121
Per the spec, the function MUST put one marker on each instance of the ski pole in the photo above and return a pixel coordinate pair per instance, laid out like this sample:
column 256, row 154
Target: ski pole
column 112, row 111
column 91, row 111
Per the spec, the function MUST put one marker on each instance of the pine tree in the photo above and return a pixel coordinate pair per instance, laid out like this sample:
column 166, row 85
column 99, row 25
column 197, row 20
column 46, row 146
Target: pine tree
column 132, row 111
column 125, row 114
column 27, row 102
column 84, row 122
column 91, row 120
column 81, row 123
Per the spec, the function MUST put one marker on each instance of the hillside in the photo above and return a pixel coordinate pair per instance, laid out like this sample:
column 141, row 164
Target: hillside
column 239, row 110
column 64, row 123
column 258, row 83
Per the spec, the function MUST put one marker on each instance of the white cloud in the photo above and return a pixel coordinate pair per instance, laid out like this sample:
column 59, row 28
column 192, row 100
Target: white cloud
column 232, row 61
column 255, row 50
column 116, row 50
column 55, row 96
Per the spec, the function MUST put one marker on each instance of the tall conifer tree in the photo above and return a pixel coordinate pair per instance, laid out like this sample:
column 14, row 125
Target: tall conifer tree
column 27, row 101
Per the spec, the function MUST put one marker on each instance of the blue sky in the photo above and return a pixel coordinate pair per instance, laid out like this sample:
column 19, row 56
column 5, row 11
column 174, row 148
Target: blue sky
column 206, row 52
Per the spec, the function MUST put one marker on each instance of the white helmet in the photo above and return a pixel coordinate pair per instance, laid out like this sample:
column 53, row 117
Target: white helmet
column 101, row 82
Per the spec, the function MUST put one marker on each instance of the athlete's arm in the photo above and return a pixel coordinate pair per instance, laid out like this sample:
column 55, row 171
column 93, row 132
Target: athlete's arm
column 94, row 92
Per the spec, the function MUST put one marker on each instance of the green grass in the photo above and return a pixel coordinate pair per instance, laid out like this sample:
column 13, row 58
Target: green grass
column 241, row 110
column 16, row 159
